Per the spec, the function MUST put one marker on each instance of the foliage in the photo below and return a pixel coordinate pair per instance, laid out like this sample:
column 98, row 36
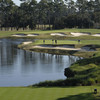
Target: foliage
column 87, row 70
column 69, row 73
column 56, row 13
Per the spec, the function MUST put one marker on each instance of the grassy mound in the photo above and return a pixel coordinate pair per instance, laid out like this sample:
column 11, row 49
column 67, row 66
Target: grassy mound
column 87, row 71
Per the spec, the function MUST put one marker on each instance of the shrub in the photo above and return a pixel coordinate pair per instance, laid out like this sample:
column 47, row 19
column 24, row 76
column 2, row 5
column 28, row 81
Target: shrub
column 98, row 80
column 90, row 81
column 69, row 73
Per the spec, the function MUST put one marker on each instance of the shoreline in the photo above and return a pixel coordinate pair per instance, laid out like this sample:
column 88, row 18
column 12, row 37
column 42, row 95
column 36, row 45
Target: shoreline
column 68, row 49
column 89, row 62
column 58, row 51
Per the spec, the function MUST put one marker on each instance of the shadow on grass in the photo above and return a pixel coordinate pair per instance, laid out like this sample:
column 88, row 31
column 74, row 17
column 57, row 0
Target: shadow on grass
column 83, row 96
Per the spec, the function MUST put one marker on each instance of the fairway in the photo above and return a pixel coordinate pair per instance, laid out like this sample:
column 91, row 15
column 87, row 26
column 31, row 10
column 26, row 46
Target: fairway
column 53, row 93
column 58, row 42
column 9, row 33
column 84, row 42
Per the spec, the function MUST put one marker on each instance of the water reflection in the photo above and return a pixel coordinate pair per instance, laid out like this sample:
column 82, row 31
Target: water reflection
column 22, row 68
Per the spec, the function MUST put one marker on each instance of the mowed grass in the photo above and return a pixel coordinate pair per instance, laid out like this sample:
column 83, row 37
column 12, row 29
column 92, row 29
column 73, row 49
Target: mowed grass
column 58, row 42
column 8, row 33
column 90, row 42
column 53, row 93
column 84, row 42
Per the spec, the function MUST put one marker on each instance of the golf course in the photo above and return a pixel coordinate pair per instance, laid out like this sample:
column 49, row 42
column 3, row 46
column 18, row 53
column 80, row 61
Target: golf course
column 79, row 86
column 49, row 49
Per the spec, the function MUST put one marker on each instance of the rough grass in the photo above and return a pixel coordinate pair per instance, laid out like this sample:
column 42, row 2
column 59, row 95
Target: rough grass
column 87, row 70
column 53, row 93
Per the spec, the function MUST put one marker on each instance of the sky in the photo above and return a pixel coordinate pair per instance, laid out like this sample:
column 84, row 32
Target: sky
column 17, row 2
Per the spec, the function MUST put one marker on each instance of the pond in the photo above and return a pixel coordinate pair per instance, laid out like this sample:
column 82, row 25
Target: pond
column 22, row 68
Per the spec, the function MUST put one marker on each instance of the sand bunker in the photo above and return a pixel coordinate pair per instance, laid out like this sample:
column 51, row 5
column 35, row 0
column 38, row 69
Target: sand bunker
column 98, row 34
column 28, row 42
column 65, row 48
column 20, row 35
column 62, row 48
column 33, row 35
column 58, row 34
column 79, row 34
column 24, row 35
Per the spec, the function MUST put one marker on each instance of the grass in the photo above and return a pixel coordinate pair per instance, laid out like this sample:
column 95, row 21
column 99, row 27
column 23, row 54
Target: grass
column 93, row 44
column 55, row 93
column 87, row 70
column 50, row 93
column 83, row 42
column 58, row 42
column 8, row 33
column 90, row 42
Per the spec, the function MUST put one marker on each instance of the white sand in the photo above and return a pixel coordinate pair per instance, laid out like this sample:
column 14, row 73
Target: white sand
column 19, row 35
column 98, row 35
column 28, row 42
column 78, row 34
column 57, row 48
column 32, row 35
column 58, row 34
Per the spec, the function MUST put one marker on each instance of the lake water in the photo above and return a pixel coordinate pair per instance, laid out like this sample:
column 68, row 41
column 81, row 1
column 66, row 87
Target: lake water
column 23, row 68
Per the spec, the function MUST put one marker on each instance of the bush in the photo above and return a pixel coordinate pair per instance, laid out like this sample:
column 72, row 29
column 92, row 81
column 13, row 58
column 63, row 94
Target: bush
column 69, row 73
column 98, row 80
column 91, row 81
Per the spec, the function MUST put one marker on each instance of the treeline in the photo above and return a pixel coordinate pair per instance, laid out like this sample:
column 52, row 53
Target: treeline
column 56, row 13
